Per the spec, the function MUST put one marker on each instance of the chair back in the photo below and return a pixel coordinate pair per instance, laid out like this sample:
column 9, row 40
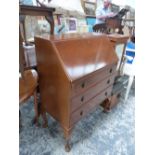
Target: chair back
column 99, row 28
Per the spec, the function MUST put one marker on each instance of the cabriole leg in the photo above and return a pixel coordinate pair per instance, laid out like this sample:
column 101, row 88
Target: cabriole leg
column 67, row 134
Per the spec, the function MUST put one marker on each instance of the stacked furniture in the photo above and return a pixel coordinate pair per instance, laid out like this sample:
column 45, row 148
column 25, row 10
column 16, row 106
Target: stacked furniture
column 121, row 80
column 76, row 74
column 111, row 23
column 29, row 58
column 28, row 82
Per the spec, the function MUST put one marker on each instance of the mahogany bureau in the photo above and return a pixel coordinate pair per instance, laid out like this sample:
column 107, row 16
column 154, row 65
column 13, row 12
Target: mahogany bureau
column 76, row 74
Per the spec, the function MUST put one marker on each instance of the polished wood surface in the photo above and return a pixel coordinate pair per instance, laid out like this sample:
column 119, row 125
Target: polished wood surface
column 76, row 61
column 85, row 95
column 76, row 73
column 90, row 80
column 118, row 38
column 93, row 103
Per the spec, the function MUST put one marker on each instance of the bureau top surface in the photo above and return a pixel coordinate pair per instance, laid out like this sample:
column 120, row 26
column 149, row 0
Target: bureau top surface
column 82, row 54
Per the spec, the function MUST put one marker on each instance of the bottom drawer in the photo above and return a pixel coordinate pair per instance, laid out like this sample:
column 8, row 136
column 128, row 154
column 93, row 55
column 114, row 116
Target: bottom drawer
column 88, row 106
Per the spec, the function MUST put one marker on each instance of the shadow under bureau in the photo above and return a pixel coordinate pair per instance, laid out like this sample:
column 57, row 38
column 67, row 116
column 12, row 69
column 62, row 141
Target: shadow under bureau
column 76, row 74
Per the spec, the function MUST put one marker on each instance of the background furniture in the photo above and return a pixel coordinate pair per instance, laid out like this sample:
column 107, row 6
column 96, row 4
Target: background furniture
column 129, row 69
column 111, row 23
column 77, row 72
column 130, row 24
column 119, row 43
column 28, row 81
column 129, row 66
column 25, row 10
column 89, row 7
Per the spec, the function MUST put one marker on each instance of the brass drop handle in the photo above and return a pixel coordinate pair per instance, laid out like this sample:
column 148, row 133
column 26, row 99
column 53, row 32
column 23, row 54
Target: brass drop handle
column 110, row 70
column 81, row 113
column 106, row 93
column 108, row 81
column 83, row 85
column 82, row 98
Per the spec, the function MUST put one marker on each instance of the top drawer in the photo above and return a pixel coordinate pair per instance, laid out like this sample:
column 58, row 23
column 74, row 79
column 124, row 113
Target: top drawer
column 92, row 79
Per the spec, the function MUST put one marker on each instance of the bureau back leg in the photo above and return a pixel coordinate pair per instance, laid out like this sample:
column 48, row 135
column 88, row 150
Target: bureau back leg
column 45, row 123
column 106, row 105
column 35, row 121
column 43, row 115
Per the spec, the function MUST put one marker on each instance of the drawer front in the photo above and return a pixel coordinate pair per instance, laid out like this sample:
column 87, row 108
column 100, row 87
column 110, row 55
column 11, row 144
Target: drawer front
column 79, row 100
column 90, row 105
column 88, row 81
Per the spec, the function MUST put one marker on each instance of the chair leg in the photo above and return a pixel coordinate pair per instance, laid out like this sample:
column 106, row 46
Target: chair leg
column 45, row 123
column 20, row 122
column 35, row 107
column 131, row 78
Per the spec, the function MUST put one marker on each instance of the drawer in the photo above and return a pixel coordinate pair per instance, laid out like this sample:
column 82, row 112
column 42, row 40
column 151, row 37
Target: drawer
column 90, row 105
column 79, row 100
column 92, row 79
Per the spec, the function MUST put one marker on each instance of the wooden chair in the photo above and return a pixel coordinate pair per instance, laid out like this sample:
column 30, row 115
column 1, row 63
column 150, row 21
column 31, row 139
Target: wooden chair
column 111, row 24
column 28, row 76
column 100, row 28
column 28, row 81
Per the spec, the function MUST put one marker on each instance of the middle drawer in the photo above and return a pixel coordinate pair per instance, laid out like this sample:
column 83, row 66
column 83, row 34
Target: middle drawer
column 87, row 81
column 79, row 100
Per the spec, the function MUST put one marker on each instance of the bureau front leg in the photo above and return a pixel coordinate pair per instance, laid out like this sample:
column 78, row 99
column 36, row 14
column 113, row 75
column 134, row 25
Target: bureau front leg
column 67, row 134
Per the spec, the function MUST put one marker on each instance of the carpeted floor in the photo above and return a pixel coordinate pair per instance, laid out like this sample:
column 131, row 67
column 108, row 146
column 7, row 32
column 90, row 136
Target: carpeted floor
column 97, row 134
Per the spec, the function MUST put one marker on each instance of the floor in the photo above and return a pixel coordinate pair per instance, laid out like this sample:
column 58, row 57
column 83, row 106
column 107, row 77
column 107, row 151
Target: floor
column 97, row 134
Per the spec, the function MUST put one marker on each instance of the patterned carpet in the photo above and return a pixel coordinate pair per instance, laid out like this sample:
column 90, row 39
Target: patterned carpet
column 97, row 134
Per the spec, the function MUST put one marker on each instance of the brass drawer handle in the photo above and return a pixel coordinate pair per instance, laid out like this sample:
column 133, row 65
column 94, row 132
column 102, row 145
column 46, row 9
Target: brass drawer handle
column 106, row 93
column 110, row 70
column 83, row 85
column 108, row 81
column 82, row 98
column 81, row 113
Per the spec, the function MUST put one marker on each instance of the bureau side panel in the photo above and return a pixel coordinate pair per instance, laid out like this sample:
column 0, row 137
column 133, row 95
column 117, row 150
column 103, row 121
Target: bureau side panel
column 53, row 82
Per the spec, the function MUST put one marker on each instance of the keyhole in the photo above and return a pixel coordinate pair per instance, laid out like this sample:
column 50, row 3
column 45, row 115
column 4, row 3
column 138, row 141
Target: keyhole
column 82, row 98
column 111, row 70
column 108, row 81
column 106, row 93
column 82, row 85
column 81, row 113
